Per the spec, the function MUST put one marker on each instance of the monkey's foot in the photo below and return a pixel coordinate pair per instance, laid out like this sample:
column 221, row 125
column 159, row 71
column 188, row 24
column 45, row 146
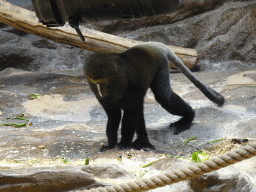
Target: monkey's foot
column 124, row 145
column 181, row 125
column 105, row 148
column 141, row 144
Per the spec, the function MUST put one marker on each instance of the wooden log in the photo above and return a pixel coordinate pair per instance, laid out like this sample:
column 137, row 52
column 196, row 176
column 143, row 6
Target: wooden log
column 27, row 21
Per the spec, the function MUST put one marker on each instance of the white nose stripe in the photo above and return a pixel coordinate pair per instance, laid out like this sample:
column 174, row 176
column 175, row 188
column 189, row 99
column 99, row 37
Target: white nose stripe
column 98, row 87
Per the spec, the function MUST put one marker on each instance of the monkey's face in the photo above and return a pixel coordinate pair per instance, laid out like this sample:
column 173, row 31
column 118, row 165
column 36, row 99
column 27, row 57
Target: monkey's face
column 103, row 72
column 108, row 89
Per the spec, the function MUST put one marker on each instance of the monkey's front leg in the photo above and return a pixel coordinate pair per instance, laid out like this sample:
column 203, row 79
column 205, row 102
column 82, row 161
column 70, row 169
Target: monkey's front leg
column 133, row 120
column 114, row 118
column 129, row 122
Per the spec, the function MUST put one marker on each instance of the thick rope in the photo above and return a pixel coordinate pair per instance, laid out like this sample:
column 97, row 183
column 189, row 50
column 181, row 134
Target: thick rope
column 167, row 178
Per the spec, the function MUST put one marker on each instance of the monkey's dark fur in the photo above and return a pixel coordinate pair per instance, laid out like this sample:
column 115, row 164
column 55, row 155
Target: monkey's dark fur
column 120, row 82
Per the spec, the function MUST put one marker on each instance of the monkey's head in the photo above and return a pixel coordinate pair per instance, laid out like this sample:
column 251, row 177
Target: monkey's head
column 105, row 77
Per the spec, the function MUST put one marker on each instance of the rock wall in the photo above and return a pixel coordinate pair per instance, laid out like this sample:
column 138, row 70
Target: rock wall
column 223, row 33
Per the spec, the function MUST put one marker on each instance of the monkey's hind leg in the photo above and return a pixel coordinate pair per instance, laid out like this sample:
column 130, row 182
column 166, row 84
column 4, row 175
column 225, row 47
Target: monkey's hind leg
column 142, row 141
column 171, row 102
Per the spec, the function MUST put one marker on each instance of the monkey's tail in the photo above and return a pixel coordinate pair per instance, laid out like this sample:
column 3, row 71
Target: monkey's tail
column 207, row 91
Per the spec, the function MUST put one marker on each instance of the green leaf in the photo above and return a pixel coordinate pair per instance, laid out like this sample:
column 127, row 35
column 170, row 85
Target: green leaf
column 144, row 166
column 178, row 157
column 65, row 161
column 203, row 156
column 199, row 157
column 22, row 118
column 17, row 161
column 216, row 140
column 195, row 157
column 86, row 162
column 34, row 96
column 15, row 124
column 191, row 138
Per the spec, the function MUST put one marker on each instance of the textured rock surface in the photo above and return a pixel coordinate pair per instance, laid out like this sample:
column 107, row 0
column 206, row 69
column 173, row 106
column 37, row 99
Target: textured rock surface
column 46, row 179
column 225, row 38
column 68, row 124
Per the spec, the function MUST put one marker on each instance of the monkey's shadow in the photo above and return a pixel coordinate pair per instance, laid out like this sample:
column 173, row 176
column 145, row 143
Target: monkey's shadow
column 163, row 131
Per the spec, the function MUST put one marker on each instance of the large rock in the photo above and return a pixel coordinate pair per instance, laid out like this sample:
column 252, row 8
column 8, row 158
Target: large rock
column 224, row 37
column 226, row 179
column 187, row 9
column 46, row 179
column 70, row 178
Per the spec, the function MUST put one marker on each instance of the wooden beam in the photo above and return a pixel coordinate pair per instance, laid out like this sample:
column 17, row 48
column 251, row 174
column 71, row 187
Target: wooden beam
column 27, row 21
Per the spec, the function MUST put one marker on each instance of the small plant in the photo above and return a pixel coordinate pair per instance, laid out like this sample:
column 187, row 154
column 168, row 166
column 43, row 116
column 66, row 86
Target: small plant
column 34, row 96
column 217, row 140
column 199, row 156
column 86, row 162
